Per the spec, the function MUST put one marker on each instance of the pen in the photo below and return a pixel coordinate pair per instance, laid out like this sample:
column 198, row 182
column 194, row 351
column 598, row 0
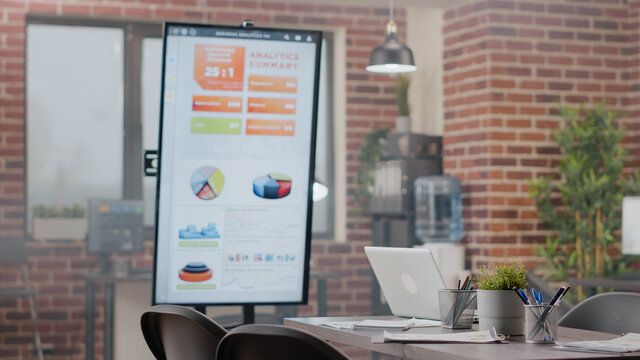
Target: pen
column 520, row 295
column 524, row 297
column 458, row 284
column 464, row 284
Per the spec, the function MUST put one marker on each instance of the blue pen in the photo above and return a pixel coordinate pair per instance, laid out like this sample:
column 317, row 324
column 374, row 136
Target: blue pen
column 535, row 296
column 524, row 297
column 540, row 297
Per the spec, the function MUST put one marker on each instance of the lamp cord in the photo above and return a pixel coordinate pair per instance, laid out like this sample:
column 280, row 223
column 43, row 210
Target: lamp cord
column 391, row 10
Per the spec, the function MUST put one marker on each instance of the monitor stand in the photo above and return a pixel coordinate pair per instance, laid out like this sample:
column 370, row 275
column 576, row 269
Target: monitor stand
column 248, row 312
column 104, row 263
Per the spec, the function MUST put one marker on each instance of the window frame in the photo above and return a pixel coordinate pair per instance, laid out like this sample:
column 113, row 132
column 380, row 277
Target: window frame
column 134, row 32
column 328, row 37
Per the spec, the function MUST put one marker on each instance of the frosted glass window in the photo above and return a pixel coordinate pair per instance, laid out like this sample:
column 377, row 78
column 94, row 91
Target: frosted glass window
column 75, row 84
column 150, row 114
column 322, row 220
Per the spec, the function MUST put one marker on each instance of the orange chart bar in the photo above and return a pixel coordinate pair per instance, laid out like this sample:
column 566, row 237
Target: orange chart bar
column 286, row 84
column 217, row 103
column 271, row 106
column 270, row 127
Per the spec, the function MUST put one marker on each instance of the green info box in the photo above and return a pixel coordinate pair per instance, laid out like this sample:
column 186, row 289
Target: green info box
column 202, row 125
column 198, row 244
column 197, row 287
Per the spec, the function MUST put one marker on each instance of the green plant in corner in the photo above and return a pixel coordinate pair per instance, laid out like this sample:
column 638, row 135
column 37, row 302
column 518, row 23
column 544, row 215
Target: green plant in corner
column 501, row 277
column 370, row 154
column 582, row 206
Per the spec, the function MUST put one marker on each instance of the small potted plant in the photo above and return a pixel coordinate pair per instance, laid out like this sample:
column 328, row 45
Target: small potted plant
column 498, row 304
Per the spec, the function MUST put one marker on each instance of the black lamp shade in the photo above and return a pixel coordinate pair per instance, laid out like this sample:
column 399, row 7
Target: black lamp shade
column 391, row 57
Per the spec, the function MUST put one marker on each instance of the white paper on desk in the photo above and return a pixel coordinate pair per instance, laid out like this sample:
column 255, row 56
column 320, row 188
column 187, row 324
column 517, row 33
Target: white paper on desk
column 341, row 325
column 473, row 337
column 395, row 324
column 623, row 344
column 381, row 324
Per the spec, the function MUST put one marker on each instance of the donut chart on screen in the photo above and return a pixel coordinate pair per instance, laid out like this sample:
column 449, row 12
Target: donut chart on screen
column 195, row 272
column 207, row 182
column 272, row 186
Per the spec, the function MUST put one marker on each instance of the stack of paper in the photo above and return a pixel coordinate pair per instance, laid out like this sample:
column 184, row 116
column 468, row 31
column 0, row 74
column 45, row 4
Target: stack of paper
column 394, row 324
column 473, row 337
column 623, row 344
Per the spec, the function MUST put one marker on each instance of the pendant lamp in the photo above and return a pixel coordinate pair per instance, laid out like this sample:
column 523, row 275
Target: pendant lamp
column 392, row 57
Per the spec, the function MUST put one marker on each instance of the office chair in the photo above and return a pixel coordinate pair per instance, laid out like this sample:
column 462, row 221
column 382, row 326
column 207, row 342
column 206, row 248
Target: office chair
column 176, row 332
column 614, row 312
column 261, row 341
column 13, row 251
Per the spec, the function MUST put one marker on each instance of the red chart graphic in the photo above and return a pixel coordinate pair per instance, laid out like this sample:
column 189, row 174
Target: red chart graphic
column 207, row 182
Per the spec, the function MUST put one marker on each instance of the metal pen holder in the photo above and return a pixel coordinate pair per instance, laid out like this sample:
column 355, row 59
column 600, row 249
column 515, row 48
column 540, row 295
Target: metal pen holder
column 541, row 323
column 457, row 308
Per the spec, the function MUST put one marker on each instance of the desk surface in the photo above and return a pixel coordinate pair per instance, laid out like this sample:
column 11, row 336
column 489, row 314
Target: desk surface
column 517, row 349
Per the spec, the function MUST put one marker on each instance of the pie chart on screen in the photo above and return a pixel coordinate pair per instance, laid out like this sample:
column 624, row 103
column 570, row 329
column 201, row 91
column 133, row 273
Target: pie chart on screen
column 207, row 182
column 272, row 186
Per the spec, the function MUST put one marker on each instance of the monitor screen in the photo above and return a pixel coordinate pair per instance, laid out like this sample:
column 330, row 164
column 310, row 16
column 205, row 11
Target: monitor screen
column 236, row 157
column 115, row 226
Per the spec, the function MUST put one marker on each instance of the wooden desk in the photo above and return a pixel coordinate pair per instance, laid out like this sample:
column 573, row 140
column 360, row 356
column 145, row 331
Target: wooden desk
column 517, row 349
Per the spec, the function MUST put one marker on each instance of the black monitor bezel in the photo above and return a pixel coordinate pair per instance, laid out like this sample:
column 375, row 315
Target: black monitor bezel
column 307, row 253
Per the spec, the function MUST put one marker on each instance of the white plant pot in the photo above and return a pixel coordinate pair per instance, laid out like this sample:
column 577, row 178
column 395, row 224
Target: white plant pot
column 59, row 228
column 403, row 124
column 501, row 309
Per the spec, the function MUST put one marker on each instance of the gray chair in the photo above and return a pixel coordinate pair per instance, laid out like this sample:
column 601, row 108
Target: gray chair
column 266, row 342
column 176, row 332
column 614, row 312
column 13, row 251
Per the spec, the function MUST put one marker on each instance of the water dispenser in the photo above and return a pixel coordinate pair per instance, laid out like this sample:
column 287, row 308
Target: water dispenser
column 438, row 209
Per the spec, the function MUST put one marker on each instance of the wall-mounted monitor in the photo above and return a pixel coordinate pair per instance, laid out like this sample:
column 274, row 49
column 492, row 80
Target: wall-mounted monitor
column 236, row 163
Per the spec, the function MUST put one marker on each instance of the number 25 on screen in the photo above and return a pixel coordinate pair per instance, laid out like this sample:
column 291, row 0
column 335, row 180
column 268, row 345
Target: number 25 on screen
column 215, row 71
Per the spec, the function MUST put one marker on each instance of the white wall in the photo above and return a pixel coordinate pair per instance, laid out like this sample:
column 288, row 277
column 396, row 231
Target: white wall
column 425, row 38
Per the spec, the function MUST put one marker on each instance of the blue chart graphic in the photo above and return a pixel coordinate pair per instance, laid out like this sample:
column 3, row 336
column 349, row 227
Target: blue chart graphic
column 272, row 186
column 191, row 232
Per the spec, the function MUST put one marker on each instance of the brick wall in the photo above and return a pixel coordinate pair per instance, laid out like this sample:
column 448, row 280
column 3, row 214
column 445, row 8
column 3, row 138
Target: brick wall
column 508, row 65
column 370, row 104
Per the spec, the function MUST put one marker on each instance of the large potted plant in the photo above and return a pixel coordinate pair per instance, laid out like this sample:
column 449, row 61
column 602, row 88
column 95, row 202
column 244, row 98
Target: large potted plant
column 498, row 304
column 581, row 207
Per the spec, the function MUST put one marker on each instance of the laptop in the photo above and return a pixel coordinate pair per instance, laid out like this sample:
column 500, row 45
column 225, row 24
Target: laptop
column 409, row 279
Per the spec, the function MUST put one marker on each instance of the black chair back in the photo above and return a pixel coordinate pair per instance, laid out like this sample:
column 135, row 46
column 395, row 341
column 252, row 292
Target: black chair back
column 263, row 342
column 176, row 332
column 614, row 312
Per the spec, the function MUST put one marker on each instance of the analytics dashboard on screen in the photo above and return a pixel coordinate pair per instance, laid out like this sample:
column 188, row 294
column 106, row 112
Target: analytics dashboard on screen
column 236, row 163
